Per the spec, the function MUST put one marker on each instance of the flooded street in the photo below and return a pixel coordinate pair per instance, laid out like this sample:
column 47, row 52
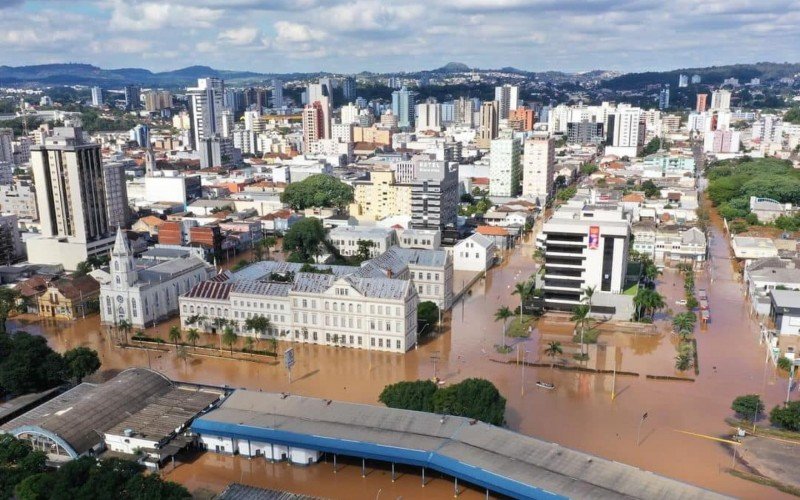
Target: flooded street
column 578, row 414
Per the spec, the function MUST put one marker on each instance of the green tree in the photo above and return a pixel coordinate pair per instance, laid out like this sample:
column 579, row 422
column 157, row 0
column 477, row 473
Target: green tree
column 650, row 189
column 249, row 342
column 8, row 303
column 503, row 314
column 319, row 190
column 125, row 327
column 784, row 363
column 472, row 398
column 793, row 115
column 588, row 168
column 580, row 316
column 786, row 416
column 427, row 316
column 18, row 461
column 651, row 147
column 749, row 406
column 193, row 336
column 304, row 238
column 81, row 362
column 174, row 335
column 553, row 349
column 683, row 361
column 364, row 250
column 28, row 364
column 229, row 337
column 82, row 269
column 684, row 322
column 409, row 395
column 522, row 289
column 258, row 324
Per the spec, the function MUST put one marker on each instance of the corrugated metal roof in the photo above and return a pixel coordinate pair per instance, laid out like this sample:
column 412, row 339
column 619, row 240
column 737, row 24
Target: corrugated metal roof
column 212, row 290
column 489, row 456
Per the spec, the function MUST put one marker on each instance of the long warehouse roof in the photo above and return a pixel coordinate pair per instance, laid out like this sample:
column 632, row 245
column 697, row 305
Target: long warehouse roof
column 492, row 457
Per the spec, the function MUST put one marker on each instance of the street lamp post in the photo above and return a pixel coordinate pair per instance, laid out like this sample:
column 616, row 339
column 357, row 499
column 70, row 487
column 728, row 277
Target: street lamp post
column 639, row 432
column 524, row 361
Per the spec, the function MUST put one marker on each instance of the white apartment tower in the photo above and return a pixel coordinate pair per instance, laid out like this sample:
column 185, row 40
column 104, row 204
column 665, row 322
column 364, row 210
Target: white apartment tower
column 626, row 131
column 538, row 168
column 721, row 99
column 507, row 96
column 207, row 101
column 429, row 116
column 504, row 167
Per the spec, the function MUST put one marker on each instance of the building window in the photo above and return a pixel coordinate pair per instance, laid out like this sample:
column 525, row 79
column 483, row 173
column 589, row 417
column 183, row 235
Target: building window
column 372, row 341
column 398, row 345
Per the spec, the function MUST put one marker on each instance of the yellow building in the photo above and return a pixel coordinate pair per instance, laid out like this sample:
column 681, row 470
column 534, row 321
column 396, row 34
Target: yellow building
column 69, row 298
column 381, row 196
column 373, row 135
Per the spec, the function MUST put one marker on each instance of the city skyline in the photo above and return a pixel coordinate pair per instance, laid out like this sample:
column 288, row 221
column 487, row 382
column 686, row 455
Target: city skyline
column 278, row 36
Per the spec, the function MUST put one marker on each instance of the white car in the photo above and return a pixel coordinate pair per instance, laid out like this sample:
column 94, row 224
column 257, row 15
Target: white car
column 681, row 302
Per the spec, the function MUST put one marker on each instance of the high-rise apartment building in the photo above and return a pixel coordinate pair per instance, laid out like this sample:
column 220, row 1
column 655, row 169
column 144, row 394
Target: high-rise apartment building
column 701, row 102
column 70, row 193
column 6, row 145
column 403, row 107
column 313, row 126
column 218, row 151
column 721, row 100
column 585, row 132
column 349, row 88
column 207, row 100
column 428, row 116
column 116, row 195
column 140, row 134
column 504, row 167
column 489, row 124
column 156, row 100
column 133, row 97
column 349, row 113
column 277, row 94
column 625, row 132
column 463, row 112
column 97, row 97
column 683, row 81
column 663, row 98
column 538, row 169
column 507, row 98
column 521, row 119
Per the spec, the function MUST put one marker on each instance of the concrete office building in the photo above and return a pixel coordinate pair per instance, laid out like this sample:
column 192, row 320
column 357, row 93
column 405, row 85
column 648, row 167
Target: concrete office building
column 70, row 192
column 218, row 151
column 97, row 97
column 504, row 167
column 507, row 98
column 403, row 107
column 156, row 100
column 140, row 134
column 663, row 98
column 463, row 112
column 489, row 125
column 538, row 169
column 19, row 198
column 116, row 194
column 587, row 247
column 207, row 104
column 349, row 88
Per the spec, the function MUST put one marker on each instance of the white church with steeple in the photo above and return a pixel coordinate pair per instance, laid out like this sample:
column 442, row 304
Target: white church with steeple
column 144, row 290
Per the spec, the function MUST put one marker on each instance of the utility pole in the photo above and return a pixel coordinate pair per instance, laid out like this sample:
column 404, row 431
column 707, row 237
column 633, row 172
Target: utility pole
column 434, row 359
column 524, row 360
column 614, row 385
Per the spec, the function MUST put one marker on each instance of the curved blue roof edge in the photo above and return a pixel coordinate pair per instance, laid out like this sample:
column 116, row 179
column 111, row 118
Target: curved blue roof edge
column 407, row 456
column 35, row 429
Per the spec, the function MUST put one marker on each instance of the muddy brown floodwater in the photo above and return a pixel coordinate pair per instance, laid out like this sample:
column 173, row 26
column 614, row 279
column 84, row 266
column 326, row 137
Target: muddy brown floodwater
column 578, row 414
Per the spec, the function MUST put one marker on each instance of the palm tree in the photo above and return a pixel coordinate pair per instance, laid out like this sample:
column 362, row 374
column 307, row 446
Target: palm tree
column 503, row 314
column 588, row 293
column 523, row 290
column 174, row 335
column 229, row 337
column 580, row 315
column 553, row 349
column 248, row 343
column 182, row 353
column 125, row 326
column 683, row 361
column 193, row 336
column 784, row 363
column 656, row 303
column 684, row 322
column 648, row 302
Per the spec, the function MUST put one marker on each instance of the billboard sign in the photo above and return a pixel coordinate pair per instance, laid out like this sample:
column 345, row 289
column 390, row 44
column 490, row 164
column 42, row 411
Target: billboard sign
column 594, row 237
column 288, row 358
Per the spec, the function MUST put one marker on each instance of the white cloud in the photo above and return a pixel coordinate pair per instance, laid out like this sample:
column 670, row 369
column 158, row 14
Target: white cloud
column 240, row 36
column 148, row 16
column 289, row 32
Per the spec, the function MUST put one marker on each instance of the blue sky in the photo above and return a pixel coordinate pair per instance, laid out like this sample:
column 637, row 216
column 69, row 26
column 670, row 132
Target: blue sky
column 395, row 35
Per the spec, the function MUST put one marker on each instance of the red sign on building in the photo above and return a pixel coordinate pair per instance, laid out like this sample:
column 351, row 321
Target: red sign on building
column 594, row 237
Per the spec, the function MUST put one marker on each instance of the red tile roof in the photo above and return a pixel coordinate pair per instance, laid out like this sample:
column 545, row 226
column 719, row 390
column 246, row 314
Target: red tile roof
column 491, row 231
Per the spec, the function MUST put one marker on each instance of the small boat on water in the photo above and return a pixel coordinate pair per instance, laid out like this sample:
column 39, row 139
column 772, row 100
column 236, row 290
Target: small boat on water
column 545, row 385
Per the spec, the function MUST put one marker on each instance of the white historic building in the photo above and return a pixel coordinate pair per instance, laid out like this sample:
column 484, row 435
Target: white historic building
column 343, row 306
column 475, row 253
column 144, row 291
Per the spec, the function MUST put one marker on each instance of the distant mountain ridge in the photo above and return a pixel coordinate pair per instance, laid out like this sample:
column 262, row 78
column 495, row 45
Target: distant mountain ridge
column 87, row 74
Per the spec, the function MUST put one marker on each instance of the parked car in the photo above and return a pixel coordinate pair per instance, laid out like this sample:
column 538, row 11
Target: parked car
column 681, row 302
